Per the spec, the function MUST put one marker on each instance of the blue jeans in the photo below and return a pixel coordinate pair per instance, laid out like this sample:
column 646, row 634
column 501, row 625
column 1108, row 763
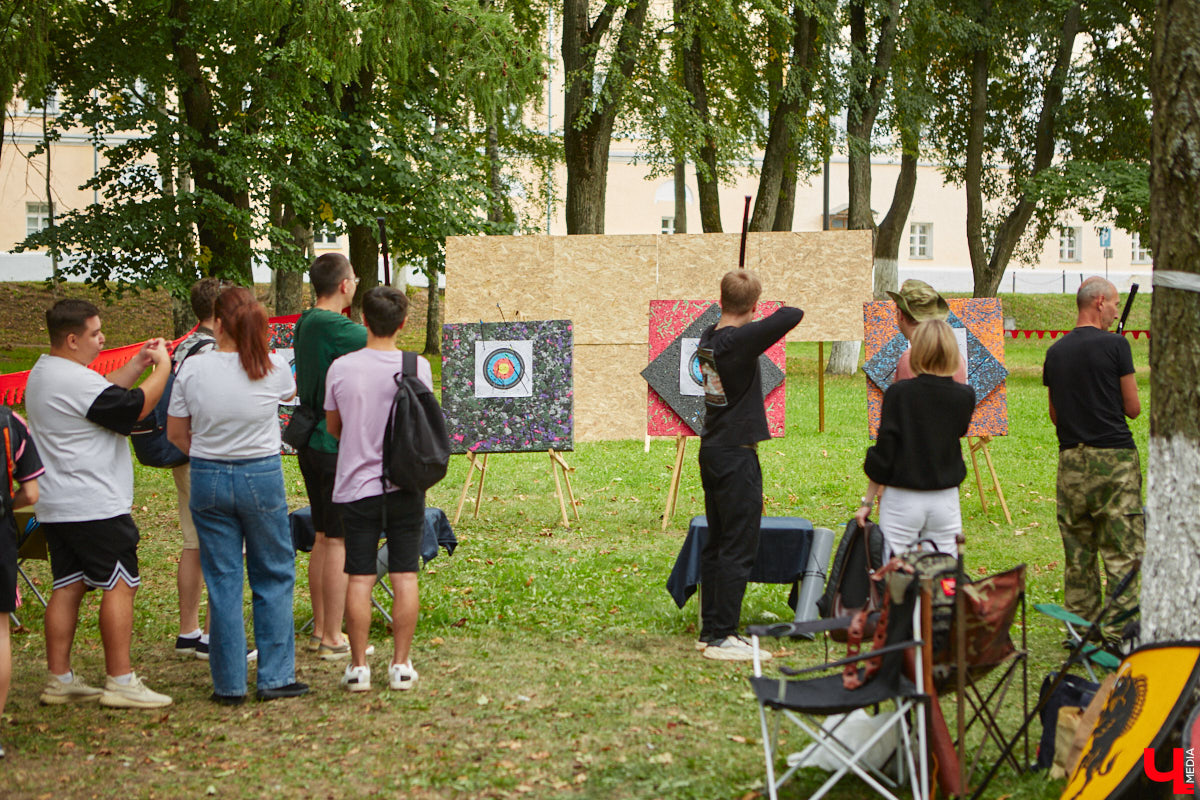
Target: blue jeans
column 236, row 503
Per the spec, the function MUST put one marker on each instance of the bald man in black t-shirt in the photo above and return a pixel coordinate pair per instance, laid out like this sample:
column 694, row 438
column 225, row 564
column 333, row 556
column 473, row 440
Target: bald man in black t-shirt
column 1093, row 388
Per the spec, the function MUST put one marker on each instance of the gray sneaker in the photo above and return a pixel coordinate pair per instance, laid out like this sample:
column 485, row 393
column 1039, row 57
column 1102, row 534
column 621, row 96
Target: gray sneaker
column 733, row 648
column 135, row 694
column 56, row 692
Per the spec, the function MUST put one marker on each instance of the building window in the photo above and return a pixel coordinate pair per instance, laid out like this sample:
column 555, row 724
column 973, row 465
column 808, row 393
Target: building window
column 33, row 108
column 1141, row 255
column 668, row 225
column 324, row 236
column 37, row 217
column 1068, row 244
column 920, row 240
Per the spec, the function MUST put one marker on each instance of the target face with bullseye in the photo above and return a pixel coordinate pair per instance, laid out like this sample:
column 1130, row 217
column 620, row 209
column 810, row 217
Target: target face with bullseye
column 503, row 369
column 691, row 379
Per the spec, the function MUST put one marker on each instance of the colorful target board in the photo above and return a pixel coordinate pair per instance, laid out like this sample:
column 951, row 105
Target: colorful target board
column 508, row 387
column 981, row 323
column 283, row 330
column 675, row 399
column 1154, row 688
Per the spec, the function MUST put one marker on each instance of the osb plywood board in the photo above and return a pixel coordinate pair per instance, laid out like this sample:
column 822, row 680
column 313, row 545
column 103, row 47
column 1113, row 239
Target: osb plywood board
column 515, row 272
column 610, row 395
column 603, row 284
column 826, row 274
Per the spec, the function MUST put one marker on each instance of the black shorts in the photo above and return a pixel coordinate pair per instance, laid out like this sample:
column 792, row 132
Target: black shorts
column 362, row 522
column 319, row 470
column 8, row 566
column 98, row 552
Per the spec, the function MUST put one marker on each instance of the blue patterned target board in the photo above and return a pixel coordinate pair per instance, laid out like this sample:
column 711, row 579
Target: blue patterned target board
column 508, row 387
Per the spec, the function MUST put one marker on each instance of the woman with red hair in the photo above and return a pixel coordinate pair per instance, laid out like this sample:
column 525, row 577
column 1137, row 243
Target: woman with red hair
column 223, row 415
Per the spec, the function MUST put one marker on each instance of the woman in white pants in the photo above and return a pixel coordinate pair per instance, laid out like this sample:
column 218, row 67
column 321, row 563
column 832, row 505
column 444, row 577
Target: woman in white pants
column 917, row 456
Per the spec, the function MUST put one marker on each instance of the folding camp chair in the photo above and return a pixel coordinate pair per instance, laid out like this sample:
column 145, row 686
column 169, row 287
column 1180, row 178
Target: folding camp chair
column 31, row 544
column 1078, row 630
column 980, row 663
column 802, row 700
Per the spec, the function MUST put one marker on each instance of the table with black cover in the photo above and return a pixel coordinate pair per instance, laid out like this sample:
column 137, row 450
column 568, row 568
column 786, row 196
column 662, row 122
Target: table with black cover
column 783, row 546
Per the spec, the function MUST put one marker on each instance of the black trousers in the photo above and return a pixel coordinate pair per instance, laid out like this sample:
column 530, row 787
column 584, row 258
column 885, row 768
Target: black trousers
column 732, row 481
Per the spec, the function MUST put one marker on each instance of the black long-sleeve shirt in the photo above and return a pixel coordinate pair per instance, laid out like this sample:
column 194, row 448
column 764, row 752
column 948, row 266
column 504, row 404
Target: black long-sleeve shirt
column 734, row 413
column 920, row 425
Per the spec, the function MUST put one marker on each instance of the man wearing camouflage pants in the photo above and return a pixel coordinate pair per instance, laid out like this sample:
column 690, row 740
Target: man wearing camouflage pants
column 1090, row 376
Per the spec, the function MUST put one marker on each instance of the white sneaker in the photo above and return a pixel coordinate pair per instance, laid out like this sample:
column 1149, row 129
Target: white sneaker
column 56, row 692
column 357, row 679
column 135, row 694
column 402, row 677
column 733, row 648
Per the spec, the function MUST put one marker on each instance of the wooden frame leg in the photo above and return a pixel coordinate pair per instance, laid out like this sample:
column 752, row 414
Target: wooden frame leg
column 557, row 462
column 676, row 473
column 473, row 463
column 973, row 447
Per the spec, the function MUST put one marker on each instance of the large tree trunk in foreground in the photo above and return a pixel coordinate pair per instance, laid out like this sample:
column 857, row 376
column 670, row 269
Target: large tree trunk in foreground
column 1172, row 559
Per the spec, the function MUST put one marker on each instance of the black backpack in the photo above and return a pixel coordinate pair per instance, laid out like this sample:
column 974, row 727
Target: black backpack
column 149, row 434
column 416, row 449
column 849, row 587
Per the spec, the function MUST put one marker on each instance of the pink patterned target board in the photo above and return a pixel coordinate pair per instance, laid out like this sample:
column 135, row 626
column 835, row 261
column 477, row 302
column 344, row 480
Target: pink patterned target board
column 675, row 398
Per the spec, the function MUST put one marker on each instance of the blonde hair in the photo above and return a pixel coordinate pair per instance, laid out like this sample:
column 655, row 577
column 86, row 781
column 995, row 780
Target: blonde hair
column 934, row 349
column 740, row 289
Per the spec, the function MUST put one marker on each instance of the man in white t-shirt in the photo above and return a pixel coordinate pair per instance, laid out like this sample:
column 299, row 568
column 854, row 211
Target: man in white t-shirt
column 359, row 389
column 81, row 419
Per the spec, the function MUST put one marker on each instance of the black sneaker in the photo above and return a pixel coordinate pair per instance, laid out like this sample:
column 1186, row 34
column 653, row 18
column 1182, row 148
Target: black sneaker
column 201, row 650
column 281, row 692
column 186, row 645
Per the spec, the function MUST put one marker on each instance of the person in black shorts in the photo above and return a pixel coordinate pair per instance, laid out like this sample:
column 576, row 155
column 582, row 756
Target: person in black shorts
column 323, row 334
column 22, row 465
column 359, row 391
column 81, row 419
column 734, row 423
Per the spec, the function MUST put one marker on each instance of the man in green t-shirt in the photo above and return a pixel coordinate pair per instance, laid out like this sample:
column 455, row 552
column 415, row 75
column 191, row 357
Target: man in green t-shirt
column 323, row 334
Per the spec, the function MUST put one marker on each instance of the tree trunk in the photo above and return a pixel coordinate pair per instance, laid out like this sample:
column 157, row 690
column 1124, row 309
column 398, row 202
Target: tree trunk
column 1172, row 557
column 843, row 358
column 495, row 185
column 590, row 111
column 433, row 317
column 707, row 186
column 227, row 253
column 785, row 209
column 989, row 271
column 364, row 258
column 680, row 181
column 891, row 231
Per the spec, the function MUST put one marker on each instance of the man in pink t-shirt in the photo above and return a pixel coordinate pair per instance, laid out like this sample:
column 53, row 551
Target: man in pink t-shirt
column 917, row 302
column 359, row 389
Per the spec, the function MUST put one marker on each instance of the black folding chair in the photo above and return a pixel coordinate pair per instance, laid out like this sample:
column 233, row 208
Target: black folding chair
column 803, row 700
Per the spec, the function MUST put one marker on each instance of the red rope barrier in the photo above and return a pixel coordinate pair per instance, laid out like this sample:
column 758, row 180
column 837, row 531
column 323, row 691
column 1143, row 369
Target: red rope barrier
column 1041, row 334
column 12, row 385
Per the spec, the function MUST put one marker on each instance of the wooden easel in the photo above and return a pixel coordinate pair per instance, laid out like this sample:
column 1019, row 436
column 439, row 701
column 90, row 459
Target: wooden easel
column 676, row 473
column 556, row 460
column 474, row 462
column 981, row 443
column 480, row 463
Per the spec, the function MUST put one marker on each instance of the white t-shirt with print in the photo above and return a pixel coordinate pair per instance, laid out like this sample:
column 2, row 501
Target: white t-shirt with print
column 79, row 421
column 233, row 418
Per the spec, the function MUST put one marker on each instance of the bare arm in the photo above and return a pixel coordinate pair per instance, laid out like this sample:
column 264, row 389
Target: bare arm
column 1129, row 396
column 1053, row 413
column 179, row 433
column 26, row 495
column 868, row 503
column 127, row 376
column 333, row 423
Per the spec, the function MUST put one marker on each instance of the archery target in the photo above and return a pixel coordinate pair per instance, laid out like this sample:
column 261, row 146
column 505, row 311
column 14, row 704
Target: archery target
column 503, row 368
column 691, row 380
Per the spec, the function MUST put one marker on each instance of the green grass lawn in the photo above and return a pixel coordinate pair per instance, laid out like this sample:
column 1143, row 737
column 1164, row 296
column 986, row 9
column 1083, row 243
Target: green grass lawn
column 553, row 663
